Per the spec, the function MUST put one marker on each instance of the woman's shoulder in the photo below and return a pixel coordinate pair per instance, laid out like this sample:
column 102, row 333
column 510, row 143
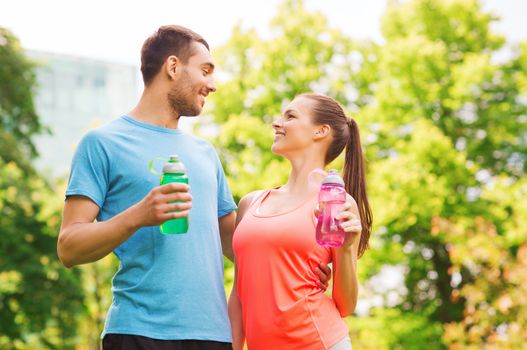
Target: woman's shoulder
column 246, row 202
column 249, row 198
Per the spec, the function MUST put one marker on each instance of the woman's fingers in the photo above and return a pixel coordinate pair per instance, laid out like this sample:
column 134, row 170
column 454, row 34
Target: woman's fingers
column 346, row 215
column 349, row 221
column 351, row 226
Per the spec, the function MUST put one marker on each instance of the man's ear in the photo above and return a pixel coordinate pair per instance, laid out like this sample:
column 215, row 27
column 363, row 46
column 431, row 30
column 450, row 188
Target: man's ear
column 172, row 67
column 321, row 132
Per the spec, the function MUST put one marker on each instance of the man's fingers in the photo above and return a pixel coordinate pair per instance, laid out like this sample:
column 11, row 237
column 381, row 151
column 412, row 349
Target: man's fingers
column 178, row 214
column 174, row 187
column 322, row 286
column 324, row 274
column 323, row 277
column 177, row 196
column 177, row 206
column 325, row 269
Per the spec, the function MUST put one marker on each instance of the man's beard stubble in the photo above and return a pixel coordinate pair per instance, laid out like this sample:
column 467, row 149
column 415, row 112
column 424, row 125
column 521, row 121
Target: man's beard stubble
column 182, row 99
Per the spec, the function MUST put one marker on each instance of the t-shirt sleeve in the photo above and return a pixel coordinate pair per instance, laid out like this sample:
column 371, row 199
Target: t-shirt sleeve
column 89, row 170
column 226, row 203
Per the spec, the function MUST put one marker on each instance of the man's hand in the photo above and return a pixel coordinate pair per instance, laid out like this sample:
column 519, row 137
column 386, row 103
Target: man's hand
column 324, row 274
column 158, row 205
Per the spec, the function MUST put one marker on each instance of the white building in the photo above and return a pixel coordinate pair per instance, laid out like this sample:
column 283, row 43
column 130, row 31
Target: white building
column 74, row 95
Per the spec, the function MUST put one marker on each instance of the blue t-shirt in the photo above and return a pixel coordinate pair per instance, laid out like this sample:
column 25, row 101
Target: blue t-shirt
column 167, row 286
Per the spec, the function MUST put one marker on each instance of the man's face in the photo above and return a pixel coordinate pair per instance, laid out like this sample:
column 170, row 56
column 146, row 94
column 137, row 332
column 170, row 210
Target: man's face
column 193, row 84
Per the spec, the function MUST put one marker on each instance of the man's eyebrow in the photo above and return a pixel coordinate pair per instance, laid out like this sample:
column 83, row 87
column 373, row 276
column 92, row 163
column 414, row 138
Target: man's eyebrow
column 210, row 65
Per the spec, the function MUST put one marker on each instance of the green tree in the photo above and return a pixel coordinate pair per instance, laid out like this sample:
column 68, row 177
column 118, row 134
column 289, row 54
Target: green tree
column 447, row 122
column 19, row 120
column 39, row 299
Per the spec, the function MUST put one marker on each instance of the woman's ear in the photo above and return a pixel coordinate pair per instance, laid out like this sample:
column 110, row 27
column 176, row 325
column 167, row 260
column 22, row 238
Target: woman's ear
column 172, row 66
column 321, row 132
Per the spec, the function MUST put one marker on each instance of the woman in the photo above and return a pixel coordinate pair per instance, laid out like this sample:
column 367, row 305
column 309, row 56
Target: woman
column 276, row 302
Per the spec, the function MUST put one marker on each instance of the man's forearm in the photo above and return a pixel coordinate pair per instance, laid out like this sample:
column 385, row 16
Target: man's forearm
column 80, row 243
column 226, row 247
column 227, row 224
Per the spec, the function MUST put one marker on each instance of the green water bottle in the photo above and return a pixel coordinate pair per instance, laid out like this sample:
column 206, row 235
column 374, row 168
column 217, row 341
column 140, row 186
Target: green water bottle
column 174, row 171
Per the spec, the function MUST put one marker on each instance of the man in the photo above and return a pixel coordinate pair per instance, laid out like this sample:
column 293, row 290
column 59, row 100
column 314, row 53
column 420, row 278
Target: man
column 168, row 292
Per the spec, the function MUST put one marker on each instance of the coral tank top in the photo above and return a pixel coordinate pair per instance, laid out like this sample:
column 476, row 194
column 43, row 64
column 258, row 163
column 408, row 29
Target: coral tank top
column 282, row 306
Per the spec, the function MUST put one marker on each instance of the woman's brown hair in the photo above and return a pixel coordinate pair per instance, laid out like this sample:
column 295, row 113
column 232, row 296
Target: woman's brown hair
column 345, row 134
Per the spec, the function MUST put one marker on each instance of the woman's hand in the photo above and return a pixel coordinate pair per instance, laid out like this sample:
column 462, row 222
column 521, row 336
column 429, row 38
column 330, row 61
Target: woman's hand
column 350, row 221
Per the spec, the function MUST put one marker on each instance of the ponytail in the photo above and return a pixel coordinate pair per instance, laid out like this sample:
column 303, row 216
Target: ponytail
column 345, row 134
column 355, row 181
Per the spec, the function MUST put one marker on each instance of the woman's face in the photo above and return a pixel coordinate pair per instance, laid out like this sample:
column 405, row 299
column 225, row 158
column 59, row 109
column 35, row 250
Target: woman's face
column 294, row 131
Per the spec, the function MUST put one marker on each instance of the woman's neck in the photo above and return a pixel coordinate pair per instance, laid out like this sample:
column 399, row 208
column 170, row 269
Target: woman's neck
column 298, row 181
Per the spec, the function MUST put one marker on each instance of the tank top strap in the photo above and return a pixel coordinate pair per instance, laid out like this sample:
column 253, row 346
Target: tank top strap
column 258, row 197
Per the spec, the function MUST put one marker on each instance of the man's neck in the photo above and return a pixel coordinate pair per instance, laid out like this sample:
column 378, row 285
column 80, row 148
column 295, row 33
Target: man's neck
column 153, row 108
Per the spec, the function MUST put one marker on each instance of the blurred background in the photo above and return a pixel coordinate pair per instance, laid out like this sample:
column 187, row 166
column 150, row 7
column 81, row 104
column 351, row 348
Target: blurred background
column 438, row 88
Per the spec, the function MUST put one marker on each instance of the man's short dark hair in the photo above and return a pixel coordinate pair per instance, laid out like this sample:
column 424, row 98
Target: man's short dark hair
column 167, row 41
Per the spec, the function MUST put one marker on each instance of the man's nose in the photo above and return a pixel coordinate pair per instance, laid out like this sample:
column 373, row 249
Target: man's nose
column 211, row 85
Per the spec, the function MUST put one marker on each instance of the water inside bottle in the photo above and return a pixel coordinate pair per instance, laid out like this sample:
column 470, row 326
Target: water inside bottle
column 329, row 231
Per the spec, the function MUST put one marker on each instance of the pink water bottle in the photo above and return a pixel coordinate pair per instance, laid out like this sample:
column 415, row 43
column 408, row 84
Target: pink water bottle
column 331, row 197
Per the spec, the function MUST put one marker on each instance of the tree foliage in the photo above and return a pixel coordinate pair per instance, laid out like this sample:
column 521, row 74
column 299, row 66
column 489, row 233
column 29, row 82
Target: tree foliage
column 39, row 299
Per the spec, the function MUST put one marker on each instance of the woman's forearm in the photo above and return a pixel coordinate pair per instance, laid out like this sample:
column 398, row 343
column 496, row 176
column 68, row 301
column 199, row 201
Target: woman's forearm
column 345, row 282
column 235, row 316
